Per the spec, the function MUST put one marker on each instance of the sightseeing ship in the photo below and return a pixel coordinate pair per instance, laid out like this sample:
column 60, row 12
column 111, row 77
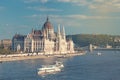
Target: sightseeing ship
column 50, row 69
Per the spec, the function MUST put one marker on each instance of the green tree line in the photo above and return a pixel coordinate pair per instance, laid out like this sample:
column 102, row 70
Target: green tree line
column 5, row 51
column 99, row 40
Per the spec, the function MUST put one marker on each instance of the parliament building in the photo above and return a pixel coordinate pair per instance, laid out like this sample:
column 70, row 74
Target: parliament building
column 44, row 40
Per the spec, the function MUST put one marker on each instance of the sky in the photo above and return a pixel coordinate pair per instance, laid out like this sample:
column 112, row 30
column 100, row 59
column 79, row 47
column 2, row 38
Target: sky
column 77, row 16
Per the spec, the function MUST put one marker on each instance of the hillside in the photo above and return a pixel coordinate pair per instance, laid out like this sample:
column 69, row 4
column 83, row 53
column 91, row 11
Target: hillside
column 99, row 40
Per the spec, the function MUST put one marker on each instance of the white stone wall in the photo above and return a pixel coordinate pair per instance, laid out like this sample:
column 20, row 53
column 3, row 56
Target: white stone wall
column 48, row 46
column 27, row 44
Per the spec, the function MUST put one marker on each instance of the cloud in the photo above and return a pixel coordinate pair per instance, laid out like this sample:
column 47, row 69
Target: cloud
column 75, row 2
column 65, row 20
column 37, row 16
column 33, row 16
column 98, row 1
column 72, row 17
column 56, row 19
column 31, row 1
column 78, row 16
column 44, row 1
column 97, row 5
column 64, row 0
column 43, row 9
column 74, row 20
column 105, row 6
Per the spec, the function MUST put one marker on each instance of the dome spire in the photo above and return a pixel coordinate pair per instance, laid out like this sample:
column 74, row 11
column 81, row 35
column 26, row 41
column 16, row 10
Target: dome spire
column 47, row 18
column 47, row 24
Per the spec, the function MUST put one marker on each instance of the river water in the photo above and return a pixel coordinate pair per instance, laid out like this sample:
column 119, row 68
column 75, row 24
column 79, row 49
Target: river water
column 87, row 67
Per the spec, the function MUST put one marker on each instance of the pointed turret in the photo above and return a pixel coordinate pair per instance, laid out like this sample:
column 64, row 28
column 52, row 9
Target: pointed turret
column 63, row 32
column 58, row 29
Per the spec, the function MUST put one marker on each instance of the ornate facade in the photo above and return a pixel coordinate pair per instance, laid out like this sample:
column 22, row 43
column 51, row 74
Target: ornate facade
column 48, row 41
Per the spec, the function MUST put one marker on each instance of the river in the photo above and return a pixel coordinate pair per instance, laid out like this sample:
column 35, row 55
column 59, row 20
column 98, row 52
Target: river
column 86, row 67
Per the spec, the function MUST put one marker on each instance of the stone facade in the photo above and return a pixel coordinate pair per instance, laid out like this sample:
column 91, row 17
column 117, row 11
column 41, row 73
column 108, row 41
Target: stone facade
column 18, row 42
column 6, row 43
column 47, row 41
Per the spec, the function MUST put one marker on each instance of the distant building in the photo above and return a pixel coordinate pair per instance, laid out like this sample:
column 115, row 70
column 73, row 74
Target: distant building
column 95, row 47
column 117, row 39
column 108, row 46
column 44, row 40
column 18, row 42
column 6, row 43
column 90, row 47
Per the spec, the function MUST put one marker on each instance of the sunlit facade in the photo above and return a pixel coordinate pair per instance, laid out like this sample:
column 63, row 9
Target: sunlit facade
column 48, row 41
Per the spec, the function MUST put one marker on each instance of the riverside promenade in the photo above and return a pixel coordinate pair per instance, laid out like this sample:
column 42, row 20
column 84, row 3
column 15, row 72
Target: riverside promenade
column 16, row 57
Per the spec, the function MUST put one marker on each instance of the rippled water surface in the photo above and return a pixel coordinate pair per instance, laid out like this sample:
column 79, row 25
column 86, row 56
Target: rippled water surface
column 86, row 67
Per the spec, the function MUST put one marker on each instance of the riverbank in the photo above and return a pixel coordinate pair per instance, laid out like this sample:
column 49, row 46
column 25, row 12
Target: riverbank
column 26, row 57
column 21, row 58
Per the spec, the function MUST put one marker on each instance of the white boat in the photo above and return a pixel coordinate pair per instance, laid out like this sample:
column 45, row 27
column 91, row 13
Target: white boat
column 50, row 69
column 99, row 53
column 59, row 64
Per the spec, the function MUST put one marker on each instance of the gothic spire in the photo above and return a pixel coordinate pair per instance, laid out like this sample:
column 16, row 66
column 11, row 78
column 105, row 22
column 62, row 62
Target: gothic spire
column 47, row 18
column 58, row 29
column 63, row 30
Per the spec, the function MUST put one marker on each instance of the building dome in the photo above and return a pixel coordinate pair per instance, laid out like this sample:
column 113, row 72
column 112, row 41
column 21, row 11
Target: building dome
column 47, row 25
